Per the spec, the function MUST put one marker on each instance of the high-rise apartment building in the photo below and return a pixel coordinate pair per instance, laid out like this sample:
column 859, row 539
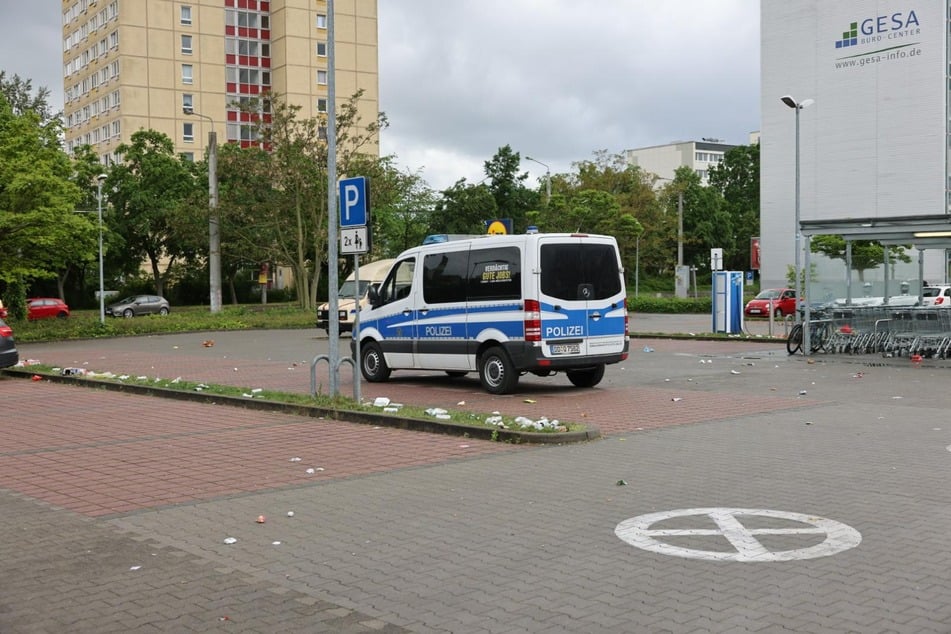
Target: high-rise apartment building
column 141, row 64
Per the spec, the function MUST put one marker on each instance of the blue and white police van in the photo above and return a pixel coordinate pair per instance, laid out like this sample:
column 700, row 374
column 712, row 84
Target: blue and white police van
column 502, row 306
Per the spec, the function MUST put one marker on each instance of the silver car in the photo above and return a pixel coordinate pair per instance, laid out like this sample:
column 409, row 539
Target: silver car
column 139, row 305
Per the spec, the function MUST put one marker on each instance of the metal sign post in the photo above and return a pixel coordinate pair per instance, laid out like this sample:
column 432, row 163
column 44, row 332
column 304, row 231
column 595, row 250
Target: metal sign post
column 354, row 239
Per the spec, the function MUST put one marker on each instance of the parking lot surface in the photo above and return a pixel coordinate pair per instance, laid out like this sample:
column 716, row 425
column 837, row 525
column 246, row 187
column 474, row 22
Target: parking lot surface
column 734, row 489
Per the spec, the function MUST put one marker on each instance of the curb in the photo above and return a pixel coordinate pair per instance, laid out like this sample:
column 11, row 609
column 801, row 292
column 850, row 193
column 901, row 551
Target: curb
column 313, row 411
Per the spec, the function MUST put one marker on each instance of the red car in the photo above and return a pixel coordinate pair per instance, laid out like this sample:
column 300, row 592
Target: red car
column 783, row 303
column 46, row 308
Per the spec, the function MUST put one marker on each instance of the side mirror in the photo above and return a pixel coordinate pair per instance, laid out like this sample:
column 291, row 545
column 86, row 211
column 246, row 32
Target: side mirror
column 373, row 295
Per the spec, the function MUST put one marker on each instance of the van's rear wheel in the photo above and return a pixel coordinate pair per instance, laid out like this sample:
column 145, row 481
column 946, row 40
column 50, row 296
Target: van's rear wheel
column 496, row 372
column 372, row 364
column 589, row 377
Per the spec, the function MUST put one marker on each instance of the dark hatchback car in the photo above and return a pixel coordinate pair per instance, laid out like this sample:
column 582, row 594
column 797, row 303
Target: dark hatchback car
column 138, row 305
column 8, row 349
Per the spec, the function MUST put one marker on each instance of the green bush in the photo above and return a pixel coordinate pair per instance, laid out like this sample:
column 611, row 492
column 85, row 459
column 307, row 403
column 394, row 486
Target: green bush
column 84, row 324
column 670, row 305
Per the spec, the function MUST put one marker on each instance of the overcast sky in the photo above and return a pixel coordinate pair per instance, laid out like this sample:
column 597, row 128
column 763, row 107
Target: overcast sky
column 556, row 80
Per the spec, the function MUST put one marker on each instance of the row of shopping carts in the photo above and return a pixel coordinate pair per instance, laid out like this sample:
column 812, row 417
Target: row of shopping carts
column 890, row 331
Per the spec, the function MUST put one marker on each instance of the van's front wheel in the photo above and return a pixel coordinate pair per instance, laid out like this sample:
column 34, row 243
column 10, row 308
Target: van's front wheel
column 496, row 372
column 589, row 377
column 372, row 364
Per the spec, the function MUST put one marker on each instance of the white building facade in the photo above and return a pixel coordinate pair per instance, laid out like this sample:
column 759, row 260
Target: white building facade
column 663, row 160
column 873, row 139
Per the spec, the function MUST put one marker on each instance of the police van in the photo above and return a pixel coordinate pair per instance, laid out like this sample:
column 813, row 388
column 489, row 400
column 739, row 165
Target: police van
column 501, row 306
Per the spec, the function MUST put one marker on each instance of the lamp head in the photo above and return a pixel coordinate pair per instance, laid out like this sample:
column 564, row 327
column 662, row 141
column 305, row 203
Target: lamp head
column 789, row 101
column 102, row 177
column 188, row 110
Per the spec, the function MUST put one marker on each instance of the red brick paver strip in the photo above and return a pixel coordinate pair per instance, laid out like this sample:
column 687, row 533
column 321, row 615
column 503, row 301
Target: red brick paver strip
column 118, row 453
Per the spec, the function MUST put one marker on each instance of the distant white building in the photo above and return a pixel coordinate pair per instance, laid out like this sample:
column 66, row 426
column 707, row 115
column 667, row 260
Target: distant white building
column 663, row 160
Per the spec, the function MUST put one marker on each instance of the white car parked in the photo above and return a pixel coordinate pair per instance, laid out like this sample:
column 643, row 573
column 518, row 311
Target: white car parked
column 936, row 296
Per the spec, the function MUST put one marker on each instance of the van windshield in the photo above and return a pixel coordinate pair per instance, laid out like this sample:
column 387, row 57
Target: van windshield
column 350, row 286
column 569, row 267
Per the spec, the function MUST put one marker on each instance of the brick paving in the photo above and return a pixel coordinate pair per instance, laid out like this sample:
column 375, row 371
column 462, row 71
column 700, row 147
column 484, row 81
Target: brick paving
column 117, row 505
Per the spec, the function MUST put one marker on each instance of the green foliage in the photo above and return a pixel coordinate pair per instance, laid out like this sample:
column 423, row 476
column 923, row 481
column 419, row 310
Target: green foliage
column 866, row 254
column 149, row 194
column 670, row 305
column 84, row 324
column 39, row 234
column 15, row 300
column 737, row 179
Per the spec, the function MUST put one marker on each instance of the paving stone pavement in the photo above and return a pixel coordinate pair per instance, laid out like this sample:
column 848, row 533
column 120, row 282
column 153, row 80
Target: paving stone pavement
column 117, row 506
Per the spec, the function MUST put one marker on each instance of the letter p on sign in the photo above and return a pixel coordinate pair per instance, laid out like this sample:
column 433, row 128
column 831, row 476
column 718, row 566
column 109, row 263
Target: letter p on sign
column 354, row 201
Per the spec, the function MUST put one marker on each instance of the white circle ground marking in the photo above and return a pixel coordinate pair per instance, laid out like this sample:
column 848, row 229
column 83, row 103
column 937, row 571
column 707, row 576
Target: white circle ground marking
column 741, row 535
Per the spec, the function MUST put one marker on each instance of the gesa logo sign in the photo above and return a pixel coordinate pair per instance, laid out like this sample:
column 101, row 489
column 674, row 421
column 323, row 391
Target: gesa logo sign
column 885, row 23
column 875, row 29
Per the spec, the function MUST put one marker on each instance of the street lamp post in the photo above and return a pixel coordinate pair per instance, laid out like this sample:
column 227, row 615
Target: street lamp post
column 797, row 106
column 214, row 235
column 102, row 290
column 547, row 177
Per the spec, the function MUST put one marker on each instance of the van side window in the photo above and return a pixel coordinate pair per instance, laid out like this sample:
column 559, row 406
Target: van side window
column 495, row 274
column 399, row 282
column 566, row 268
column 444, row 277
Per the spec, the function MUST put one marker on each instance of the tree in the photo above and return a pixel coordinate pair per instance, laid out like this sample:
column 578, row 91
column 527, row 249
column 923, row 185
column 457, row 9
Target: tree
column 737, row 180
column 512, row 198
column 39, row 234
column 297, row 219
column 706, row 223
column 151, row 193
column 402, row 206
column 464, row 208
column 245, row 196
column 866, row 254
column 19, row 94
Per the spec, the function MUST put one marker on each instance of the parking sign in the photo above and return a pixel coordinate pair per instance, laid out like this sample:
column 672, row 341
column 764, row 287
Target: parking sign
column 354, row 201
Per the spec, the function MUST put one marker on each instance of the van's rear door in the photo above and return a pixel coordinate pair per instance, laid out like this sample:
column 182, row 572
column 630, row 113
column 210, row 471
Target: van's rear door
column 581, row 291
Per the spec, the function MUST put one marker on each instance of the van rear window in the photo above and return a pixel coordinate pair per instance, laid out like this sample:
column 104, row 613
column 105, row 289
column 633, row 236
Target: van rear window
column 568, row 268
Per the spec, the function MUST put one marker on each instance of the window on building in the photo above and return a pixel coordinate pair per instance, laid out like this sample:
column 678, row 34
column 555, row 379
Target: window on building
column 116, row 128
column 187, row 74
column 115, row 99
column 114, row 39
column 188, row 132
column 265, row 78
column 265, row 22
column 186, row 15
column 188, row 101
column 186, row 45
column 322, row 77
column 321, row 105
column 321, row 21
column 265, row 50
column 189, row 156
column 321, row 49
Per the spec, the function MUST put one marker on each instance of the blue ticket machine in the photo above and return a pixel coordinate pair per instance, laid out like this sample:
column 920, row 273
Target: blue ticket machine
column 728, row 302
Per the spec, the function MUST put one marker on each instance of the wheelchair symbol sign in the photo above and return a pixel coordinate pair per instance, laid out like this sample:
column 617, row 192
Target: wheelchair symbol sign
column 746, row 535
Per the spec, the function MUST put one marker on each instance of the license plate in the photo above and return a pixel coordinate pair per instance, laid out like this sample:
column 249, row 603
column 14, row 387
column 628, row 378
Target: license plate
column 754, row 311
column 565, row 348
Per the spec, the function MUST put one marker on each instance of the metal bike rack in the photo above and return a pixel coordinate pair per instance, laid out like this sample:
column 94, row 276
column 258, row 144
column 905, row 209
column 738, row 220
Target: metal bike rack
column 325, row 357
